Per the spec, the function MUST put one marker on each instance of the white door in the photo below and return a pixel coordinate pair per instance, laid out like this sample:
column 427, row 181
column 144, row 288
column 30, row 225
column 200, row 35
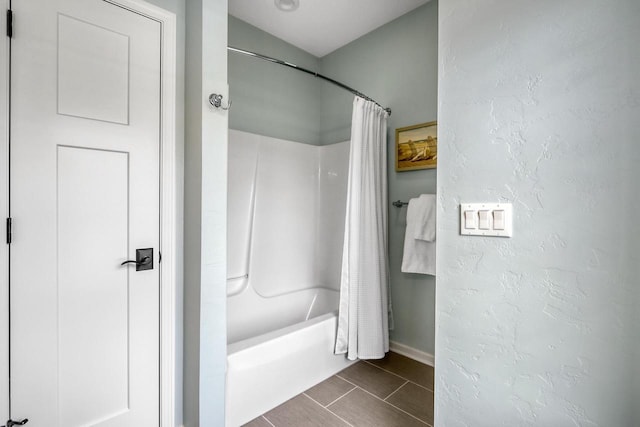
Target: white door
column 85, row 133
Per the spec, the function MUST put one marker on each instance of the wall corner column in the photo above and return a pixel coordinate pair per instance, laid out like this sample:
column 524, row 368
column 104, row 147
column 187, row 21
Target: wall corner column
column 205, row 215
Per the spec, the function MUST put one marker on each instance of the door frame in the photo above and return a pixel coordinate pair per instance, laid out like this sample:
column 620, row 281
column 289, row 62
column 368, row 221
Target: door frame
column 4, row 211
column 170, row 275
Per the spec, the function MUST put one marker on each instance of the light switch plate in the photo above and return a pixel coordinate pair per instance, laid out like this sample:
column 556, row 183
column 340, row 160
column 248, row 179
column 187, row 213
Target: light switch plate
column 488, row 229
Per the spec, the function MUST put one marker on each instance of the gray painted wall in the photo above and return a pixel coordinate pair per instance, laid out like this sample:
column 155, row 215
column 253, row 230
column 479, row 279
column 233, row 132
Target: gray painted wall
column 539, row 106
column 201, row 37
column 635, row 392
column 205, row 344
column 397, row 66
column 269, row 99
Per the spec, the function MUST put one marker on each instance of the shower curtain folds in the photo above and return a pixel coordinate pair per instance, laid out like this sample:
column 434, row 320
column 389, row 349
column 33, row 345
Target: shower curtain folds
column 364, row 312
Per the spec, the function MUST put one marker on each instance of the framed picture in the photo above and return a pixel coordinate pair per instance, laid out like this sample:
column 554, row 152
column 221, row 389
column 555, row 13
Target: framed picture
column 417, row 147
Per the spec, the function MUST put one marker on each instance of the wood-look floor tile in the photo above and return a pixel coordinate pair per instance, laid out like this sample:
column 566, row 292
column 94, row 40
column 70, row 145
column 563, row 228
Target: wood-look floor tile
column 407, row 368
column 329, row 390
column 258, row 422
column 360, row 409
column 301, row 411
column 416, row 400
column 372, row 379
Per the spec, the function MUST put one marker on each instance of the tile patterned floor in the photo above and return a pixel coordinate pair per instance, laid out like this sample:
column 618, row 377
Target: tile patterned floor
column 392, row 392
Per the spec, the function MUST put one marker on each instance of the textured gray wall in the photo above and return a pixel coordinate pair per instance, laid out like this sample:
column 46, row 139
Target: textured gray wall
column 539, row 106
column 269, row 99
column 397, row 66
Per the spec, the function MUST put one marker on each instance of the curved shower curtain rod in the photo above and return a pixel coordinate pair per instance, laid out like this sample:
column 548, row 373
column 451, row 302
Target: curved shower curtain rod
column 304, row 70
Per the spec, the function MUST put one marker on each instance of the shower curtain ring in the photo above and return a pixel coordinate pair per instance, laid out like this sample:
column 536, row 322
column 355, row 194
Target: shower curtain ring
column 216, row 100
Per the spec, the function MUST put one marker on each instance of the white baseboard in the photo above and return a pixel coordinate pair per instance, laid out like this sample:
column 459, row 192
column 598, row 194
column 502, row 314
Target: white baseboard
column 412, row 353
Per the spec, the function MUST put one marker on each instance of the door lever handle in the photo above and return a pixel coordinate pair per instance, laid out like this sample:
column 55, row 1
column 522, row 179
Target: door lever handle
column 11, row 423
column 144, row 261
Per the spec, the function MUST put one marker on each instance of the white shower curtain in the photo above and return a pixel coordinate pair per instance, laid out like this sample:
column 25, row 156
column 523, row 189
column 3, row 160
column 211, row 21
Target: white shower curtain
column 363, row 320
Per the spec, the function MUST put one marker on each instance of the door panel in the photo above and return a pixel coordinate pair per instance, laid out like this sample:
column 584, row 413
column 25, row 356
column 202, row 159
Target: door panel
column 92, row 188
column 84, row 195
column 93, row 71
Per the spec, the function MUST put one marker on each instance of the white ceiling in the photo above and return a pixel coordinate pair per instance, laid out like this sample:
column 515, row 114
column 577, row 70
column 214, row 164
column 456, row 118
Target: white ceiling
column 321, row 26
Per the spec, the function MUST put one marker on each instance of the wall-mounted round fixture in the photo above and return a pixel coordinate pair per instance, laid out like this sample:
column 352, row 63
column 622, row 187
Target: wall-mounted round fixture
column 287, row 5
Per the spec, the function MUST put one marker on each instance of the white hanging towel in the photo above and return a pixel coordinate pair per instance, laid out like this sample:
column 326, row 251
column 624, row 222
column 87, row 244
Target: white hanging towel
column 420, row 237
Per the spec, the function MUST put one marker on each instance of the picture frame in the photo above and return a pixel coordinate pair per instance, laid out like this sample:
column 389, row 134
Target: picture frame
column 417, row 147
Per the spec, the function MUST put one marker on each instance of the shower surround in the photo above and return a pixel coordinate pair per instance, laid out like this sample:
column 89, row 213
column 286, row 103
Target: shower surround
column 286, row 210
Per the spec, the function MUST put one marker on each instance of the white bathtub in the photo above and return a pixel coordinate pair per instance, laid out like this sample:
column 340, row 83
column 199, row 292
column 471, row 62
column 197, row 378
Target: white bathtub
column 277, row 348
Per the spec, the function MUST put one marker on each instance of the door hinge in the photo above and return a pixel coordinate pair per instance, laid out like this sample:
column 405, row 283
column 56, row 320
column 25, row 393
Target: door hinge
column 8, row 231
column 9, row 23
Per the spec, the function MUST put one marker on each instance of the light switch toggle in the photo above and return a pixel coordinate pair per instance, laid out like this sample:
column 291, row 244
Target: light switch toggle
column 498, row 220
column 483, row 223
column 470, row 220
